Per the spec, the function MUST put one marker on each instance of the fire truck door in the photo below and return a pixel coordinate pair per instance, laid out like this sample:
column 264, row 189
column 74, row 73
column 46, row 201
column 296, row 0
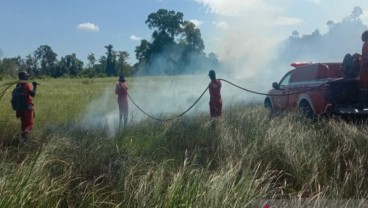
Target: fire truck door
column 281, row 100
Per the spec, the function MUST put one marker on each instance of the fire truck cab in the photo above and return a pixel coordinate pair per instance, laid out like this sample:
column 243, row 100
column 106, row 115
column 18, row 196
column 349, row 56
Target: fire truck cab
column 315, row 89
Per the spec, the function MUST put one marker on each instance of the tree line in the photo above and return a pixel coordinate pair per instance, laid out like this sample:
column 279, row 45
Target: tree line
column 43, row 62
column 341, row 38
column 176, row 47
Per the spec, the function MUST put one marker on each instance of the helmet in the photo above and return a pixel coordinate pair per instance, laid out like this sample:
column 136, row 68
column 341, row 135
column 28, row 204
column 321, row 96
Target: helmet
column 212, row 73
column 121, row 78
column 23, row 75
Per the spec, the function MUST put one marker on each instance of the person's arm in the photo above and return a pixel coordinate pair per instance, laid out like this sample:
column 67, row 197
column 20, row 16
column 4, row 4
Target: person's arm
column 210, row 90
column 32, row 93
column 124, row 88
column 117, row 89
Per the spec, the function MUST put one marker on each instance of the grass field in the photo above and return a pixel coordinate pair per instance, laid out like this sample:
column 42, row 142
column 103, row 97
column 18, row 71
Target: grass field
column 244, row 159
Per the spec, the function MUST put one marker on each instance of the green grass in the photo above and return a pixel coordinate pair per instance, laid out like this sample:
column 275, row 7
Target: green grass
column 236, row 161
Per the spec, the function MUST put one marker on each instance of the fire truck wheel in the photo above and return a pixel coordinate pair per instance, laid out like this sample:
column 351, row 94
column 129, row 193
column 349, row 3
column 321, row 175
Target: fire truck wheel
column 306, row 110
column 268, row 105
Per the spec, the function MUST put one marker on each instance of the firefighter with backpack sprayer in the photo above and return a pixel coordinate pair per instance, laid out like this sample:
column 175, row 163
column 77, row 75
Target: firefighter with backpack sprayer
column 22, row 103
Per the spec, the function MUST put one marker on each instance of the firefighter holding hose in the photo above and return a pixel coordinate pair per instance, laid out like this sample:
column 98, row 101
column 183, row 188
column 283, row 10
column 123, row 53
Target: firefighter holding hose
column 121, row 90
column 215, row 95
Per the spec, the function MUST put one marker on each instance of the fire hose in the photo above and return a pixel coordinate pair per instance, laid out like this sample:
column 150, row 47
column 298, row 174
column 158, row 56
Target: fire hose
column 172, row 118
column 242, row 88
column 6, row 86
column 293, row 93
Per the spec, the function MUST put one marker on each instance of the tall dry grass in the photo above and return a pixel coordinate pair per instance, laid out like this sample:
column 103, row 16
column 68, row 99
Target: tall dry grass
column 239, row 160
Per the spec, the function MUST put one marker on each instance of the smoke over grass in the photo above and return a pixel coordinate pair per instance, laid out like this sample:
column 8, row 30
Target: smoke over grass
column 163, row 97
column 102, row 111
column 256, row 40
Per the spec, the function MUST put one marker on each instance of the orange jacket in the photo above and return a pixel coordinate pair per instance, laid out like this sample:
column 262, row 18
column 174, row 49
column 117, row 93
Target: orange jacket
column 215, row 88
column 27, row 88
column 121, row 90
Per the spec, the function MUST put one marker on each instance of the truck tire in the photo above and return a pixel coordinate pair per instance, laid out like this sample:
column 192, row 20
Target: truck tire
column 268, row 105
column 306, row 110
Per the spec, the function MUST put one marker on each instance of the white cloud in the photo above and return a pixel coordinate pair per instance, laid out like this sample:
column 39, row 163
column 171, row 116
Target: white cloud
column 88, row 27
column 287, row 21
column 222, row 25
column 197, row 23
column 135, row 38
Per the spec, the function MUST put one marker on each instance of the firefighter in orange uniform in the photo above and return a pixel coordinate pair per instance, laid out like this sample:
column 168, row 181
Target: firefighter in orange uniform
column 363, row 75
column 215, row 95
column 121, row 90
column 26, row 115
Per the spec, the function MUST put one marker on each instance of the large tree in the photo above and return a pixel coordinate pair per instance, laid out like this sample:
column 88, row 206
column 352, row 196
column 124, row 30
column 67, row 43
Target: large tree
column 110, row 61
column 122, row 63
column 142, row 50
column 164, row 22
column 101, row 66
column 166, row 25
column 32, row 64
column 47, row 58
column 175, row 43
column 91, row 60
column 70, row 65
column 193, row 37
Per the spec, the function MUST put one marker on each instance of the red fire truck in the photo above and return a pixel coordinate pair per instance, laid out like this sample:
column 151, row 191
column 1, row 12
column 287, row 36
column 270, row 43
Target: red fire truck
column 317, row 89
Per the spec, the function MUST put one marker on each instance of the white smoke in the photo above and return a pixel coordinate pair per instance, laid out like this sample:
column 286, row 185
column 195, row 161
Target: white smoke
column 246, row 34
column 254, row 29
column 103, row 111
column 162, row 97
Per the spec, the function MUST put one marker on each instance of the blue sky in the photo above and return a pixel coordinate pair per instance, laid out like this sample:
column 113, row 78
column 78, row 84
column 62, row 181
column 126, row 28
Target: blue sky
column 86, row 26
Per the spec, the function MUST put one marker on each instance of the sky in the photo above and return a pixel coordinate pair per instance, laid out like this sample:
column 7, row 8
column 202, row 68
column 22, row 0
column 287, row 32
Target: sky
column 233, row 29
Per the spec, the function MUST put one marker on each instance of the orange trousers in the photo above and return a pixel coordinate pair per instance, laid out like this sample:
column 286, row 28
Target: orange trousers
column 27, row 121
column 216, row 108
